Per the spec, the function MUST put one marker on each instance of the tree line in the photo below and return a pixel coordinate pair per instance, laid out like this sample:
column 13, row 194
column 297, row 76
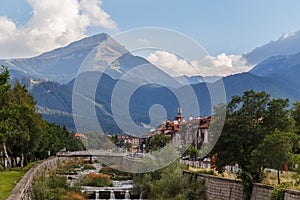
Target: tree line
column 259, row 132
column 24, row 135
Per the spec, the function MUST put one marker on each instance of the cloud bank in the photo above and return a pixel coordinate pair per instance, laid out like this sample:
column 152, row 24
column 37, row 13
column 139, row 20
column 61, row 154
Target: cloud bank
column 53, row 24
column 220, row 65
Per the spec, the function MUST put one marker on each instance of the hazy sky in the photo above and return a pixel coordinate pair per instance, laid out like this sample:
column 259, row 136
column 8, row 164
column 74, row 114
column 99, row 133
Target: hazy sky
column 232, row 27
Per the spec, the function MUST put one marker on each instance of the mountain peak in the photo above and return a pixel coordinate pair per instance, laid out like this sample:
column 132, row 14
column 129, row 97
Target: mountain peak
column 285, row 45
column 87, row 42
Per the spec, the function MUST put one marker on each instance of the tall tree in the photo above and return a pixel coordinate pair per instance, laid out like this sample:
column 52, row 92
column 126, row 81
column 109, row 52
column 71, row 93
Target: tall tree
column 5, row 128
column 275, row 151
column 27, row 123
column 23, row 132
column 248, row 121
column 296, row 113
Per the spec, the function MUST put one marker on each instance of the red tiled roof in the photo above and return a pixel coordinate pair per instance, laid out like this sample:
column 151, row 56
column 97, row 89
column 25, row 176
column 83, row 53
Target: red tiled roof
column 204, row 125
column 80, row 135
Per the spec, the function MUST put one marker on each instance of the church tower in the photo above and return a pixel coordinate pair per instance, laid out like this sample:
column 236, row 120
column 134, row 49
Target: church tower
column 179, row 115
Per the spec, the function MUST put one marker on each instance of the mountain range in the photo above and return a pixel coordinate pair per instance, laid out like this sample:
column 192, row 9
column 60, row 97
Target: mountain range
column 287, row 44
column 50, row 78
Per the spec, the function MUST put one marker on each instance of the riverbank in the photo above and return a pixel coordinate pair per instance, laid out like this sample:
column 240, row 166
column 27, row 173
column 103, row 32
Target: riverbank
column 9, row 179
column 24, row 188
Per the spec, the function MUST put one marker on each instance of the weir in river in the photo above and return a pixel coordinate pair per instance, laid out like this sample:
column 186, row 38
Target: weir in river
column 120, row 190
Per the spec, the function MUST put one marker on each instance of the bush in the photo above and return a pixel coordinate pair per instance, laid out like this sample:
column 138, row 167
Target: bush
column 208, row 172
column 58, row 182
column 97, row 180
column 116, row 174
column 278, row 192
column 89, row 167
column 49, row 187
column 169, row 183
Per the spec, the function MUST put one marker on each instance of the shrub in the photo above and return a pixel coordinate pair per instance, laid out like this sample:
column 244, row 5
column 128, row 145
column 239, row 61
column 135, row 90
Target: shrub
column 208, row 172
column 46, row 187
column 278, row 192
column 108, row 170
column 89, row 167
column 121, row 178
column 97, row 180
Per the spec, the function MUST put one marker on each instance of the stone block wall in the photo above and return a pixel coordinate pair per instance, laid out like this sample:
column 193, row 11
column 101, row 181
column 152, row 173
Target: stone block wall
column 220, row 188
column 292, row 195
column 261, row 192
column 228, row 189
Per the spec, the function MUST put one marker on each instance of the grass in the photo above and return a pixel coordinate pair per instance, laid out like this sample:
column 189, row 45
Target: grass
column 9, row 179
column 292, row 179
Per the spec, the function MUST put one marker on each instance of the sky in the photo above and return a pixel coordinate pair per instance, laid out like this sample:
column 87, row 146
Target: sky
column 226, row 29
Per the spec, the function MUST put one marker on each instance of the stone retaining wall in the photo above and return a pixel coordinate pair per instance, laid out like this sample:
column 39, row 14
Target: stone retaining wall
column 292, row 195
column 23, row 190
column 217, row 188
column 228, row 189
column 261, row 192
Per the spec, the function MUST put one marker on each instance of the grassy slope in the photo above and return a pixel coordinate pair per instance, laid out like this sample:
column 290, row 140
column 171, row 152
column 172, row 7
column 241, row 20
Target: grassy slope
column 9, row 179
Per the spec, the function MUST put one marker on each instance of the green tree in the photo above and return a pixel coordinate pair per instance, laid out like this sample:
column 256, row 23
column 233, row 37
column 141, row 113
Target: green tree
column 277, row 116
column 26, row 124
column 295, row 113
column 169, row 183
column 248, row 119
column 159, row 141
column 23, row 132
column 5, row 128
column 275, row 151
column 193, row 152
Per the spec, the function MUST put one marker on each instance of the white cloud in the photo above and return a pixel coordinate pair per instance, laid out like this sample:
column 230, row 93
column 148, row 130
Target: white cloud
column 171, row 64
column 97, row 16
column 221, row 65
column 6, row 28
column 53, row 23
column 230, row 64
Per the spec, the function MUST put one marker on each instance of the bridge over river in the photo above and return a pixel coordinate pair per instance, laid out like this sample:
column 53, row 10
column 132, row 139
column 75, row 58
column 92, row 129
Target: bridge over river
column 125, row 161
column 91, row 154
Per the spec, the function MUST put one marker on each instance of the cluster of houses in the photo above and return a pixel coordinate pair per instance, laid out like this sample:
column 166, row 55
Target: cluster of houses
column 194, row 131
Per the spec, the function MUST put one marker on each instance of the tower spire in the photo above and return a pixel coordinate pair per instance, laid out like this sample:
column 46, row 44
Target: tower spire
column 179, row 110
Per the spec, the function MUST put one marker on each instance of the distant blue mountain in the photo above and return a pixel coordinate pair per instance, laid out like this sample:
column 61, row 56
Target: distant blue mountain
column 283, row 69
column 55, row 99
column 283, row 65
column 50, row 78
